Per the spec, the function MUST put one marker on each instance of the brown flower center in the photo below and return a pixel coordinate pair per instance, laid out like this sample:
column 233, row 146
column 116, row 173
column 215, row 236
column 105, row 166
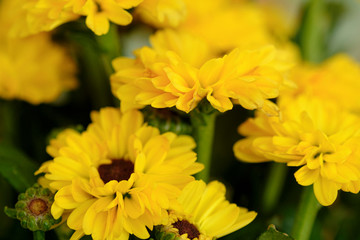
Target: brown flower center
column 38, row 206
column 118, row 170
column 185, row 227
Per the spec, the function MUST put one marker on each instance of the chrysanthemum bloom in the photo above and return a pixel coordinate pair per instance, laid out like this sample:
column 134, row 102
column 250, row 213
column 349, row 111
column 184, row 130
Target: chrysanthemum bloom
column 119, row 176
column 45, row 15
column 28, row 17
column 227, row 24
column 34, row 69
column 205, row 214
column 318, row 136
column 337, row 78
column 180, row 70
column 162, row 13
column 215, row 23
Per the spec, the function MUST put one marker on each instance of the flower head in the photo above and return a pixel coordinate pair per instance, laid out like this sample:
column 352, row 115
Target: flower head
column 205, row 214
column 45, row 15
column 180, row 70
column 319, row 137
column 33, row 209
column 162, row 13
column 336, row 78
column 119, row 176
column 34, row 69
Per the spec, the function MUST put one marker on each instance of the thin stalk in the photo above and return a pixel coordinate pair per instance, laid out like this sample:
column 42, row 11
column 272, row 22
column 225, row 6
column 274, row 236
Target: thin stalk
column 39, row 235
column 312, row 46
column 312, row 37
column 274, row 185
column 9, row 123
column 96, row 79
column 110, row 48
column 204, row 127
column 306, row 215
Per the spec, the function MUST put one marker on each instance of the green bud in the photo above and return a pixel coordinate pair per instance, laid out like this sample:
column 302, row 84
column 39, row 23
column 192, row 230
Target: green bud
column 33, row 209
column 167, row 120
column 161, row 234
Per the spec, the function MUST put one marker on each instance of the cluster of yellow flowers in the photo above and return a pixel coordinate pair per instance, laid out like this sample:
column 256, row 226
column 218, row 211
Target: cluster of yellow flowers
column 121, row 176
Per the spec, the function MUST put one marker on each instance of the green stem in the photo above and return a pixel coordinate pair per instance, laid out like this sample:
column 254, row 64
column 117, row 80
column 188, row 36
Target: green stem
column 312, row 37
column 96, row 79
column 306, row 215
column 274, row 186
column 9, row 121
column 204, row 126
column 39, row 235
column 110, row 48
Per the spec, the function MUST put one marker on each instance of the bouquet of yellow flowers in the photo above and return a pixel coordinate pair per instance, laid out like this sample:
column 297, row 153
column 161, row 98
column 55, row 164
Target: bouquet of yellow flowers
column 138, row 119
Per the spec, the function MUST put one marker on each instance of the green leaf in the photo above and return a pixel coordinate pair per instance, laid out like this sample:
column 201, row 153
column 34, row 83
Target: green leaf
column 273, row 234
column 16, row 167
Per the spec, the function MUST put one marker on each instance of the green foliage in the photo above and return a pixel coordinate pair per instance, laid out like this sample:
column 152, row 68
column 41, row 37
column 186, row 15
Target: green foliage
column 16, row 167
column 273, row 234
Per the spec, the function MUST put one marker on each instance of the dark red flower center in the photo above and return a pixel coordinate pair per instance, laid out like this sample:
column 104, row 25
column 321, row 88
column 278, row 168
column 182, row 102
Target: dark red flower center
column 38, row 206
column 118, row 170
column 185, row 227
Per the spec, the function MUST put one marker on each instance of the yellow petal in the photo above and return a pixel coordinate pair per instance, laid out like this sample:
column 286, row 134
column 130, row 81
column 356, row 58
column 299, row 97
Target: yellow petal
column 75, row 220
column 223, row 218
column 64, row 198
column 77, row 235
column 210, row 72
column 243, row 220
column 305, row 176
column 98, row 23
column 326, row 191
column 191, row 195
column 56, row 211
column 99, row 227
column 133, row 206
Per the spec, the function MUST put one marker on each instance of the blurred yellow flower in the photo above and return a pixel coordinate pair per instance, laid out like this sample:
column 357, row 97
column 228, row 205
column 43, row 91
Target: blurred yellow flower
column 162, row 13
column 119, row 176
column 318, row 136
column 180, row 70
column 229, row 24
column 45, row 15
column 225, row 25
column 35, row 69
column 335, row 79
column 205, row 214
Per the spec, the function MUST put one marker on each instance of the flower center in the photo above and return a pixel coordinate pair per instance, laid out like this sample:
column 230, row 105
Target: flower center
column 118, row 170
column 38, row 206
column 185, row 227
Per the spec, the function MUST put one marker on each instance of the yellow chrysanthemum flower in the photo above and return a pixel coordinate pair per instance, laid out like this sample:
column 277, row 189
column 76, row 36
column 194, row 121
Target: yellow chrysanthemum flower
column 30, row 17
column 215, row 23
column 35, row 69
column 205, row 214
column 119, row 176
column 337, row 78
column 318, row 136
column 162, row 13
column 248, row 78
column 180, row 70
column 45, row 15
